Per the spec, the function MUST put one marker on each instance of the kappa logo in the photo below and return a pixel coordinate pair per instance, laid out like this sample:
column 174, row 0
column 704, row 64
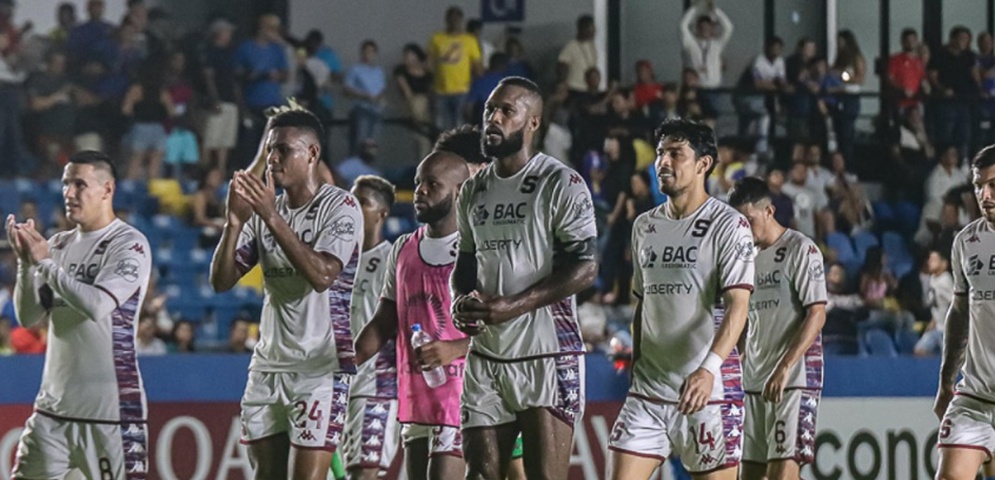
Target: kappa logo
column 812, row 250
column 974, row 239
column 138, row 248
column 743, row 223
column 349, row 201
column 651, row 228
column 575, row 179
column 306, row 436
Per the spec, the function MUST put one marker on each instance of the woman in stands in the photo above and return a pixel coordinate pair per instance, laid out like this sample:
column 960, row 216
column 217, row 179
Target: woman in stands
column 149, row 106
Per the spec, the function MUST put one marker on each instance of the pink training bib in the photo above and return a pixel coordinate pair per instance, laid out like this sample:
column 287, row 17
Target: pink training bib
column 423, row 297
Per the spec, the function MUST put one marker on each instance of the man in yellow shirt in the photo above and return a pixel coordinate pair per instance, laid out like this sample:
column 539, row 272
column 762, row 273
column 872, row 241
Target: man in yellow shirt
column 455, row 58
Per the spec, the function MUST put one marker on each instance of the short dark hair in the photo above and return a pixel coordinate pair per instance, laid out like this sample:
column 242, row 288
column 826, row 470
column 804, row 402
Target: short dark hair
column 959, row 29
column 748, row 190
column 523, row 82
column 907, row 32
column 584, row 20
column 704, row 19
column 463, row 141
column 369, row 43
column 67, row 7
column 95, row 158
column 415, row 49
column 984, row 158
column 301, row 119
column 379, row 186
column 773, row 40
column 474, row 24
column 700, row 137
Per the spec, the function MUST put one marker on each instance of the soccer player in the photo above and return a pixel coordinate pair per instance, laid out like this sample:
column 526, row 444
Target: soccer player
column 89, row 283
column 307, row 242
column 372, row 433
column 689, row 254
column 967, row 433
column 527, row 245
column 782, row 366
column 416, row 291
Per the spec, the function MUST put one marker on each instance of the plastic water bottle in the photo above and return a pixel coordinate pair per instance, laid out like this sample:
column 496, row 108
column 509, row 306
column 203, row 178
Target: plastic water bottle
column 435, row 377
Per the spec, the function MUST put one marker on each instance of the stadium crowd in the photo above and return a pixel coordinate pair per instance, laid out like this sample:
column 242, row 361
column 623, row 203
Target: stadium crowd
column 179, row 112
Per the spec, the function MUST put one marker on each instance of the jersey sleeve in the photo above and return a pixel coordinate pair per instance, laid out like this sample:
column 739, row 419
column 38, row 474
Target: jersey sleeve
column 957, row 261
column 809, row 276
column 390, row 273
column 246, row 249
column 126, row 268
column 734, row 245
column 573, row 210
column 637, row 261
column 464, row 206
column 340, row 229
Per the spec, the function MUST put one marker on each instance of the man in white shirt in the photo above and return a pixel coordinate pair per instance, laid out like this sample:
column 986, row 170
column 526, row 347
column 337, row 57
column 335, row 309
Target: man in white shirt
column 939, row 295
column 766, row 76
column 703, row 46
column 949, row 173
column 578, row 55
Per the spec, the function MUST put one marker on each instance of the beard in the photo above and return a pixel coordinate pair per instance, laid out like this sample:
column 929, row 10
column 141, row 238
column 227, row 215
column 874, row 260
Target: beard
column 509, row 145
column 435, row 213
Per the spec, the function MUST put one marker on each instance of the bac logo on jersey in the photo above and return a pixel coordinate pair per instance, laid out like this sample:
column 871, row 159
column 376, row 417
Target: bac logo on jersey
column 670, row 257
column 501, row 214
column 769, row 279
column 84, row 272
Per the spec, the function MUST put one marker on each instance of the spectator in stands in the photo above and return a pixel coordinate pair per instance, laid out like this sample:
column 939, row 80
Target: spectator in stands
column 207, row 209
column 939, row 296
column 578, row 56
column 360, row 164
column 647, row 90
column 877, row 287
column 589, row 115
column 728, row 169
column 518, row 66
column 84, row 38
column 455, row 58
column 848, row 204
column 807, row 201
column 906, row 75
column 146, row 343
column 475, row 28
column 852, row 69
column 182, row 150
column 765, row 75
column 238, row 336
column 65, row 18
column 843, row 310
column 5, row 329
column 366, row 84
column 221, row 93
column 951, row 75
column 913, row 290
column 801, row 101
column 625, row 119
column 984, row 76
column 817, row 176
column 611, row 195
column 946, row 175
column 784, row 210
column 149, row 106
column 52, row 111
column 314, row 42
column 481, row 87
column 12, row 76
column 182, row 338
column 29, row 340
column 262, row 65
column 415, row 82
column 691, row 101
column 703, row 46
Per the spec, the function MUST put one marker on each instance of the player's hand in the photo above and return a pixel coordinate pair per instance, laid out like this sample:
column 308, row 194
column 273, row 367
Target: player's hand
column 260, row 196
column 943, row 397
column 695, row 391
column 439, row 353
column 487, row 309
column 774, row 388
column 467, row 326
column 33, row 242
column 238, row 210
column 15, row 244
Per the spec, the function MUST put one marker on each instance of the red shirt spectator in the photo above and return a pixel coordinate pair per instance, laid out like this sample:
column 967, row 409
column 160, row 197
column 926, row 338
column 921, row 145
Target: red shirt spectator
column 647, row 89
column 27, row 340
column 907, row 71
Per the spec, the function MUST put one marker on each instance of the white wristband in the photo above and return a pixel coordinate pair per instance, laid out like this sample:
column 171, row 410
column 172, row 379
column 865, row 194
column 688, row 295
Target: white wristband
column 712, row 363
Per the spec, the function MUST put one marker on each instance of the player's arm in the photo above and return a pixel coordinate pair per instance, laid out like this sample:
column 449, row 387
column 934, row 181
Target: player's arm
column 28, row 304
column 236, row 252
column 815, row 318
column 954, row 350
column 381, row 328
column 725, row 25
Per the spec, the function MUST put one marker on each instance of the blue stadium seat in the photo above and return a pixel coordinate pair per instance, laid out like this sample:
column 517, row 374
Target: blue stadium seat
column 884, row 215
column 878, row 342
column 906, row 340
column 840, row 347
column 907, row 217
column 862, row 241
column 900, row 259
column 845, row 252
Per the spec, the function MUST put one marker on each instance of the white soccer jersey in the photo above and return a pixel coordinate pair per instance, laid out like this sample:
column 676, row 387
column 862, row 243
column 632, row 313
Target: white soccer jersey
column 303, row 330
column 973, row 260
column 365, row 297
column 790, row 277
column 681, row 269
column 90, row 367
column 513, row 226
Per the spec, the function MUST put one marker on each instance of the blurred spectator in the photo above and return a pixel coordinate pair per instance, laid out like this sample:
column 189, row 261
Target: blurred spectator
column 149, row 106
column 946, row 175
column 455, row 57
column 913, row 289
column 691, row 101
column 207, row 207
column 728, row 169
column 221, row 95
column 360, row 164
column 589, row 115
column 557, row 139
column 647, row 90
column 940, row 294
column 183, row 338
column 518, row 66
column 984, row 74
column 415, row 81
column 784, row 210
column 182, row 150
column 578, row 56
column 951, row 76
column 84, row 38
column 5, row 330
column 482, row 86
column 906, row 74
column 611, row 195
column 12, row 75
column 155, row 307
column 848, row 203
column 262, row 65
column 625, row 119
column 65, row 18
column 29, row 340
column 877, row 287
column 852, row 69
column 314, row 43
column 52, row 114
column 238, row 336
column 807, row 201
column 146, row 343
column 366, row 83
column 475, row 28
column 703, row 47
column 800, row 103
column 818, row 177
column 766, row 76
column 843, row 309
column 669, row 106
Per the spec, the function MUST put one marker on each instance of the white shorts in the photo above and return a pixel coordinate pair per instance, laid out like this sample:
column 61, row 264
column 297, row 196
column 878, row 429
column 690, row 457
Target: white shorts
column 781, row 431
column 51, row 447
column 443, row 440
column 706, row 441
column 372, row 433
column 309, row 407
column 495, row 392
column 221, row 128
column 968, row 423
